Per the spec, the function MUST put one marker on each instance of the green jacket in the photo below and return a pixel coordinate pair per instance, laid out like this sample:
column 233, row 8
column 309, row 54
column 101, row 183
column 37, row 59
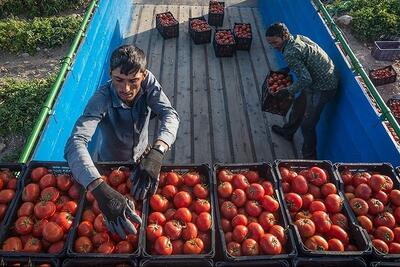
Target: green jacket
column 314, row 69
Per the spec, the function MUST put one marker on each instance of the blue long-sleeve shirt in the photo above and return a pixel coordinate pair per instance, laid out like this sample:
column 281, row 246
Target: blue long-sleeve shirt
column 124, row 129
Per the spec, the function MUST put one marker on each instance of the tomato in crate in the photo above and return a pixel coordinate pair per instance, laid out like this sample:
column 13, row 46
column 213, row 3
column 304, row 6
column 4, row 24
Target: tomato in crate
column 200, row 30
column 224, row 43
column 167, row 25
column 275, row 81
column 216, row 12
column 383, row 75
column 243, row 36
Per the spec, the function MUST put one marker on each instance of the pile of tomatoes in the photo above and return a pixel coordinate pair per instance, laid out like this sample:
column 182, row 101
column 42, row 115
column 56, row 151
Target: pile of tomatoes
column 8, row 185
column 199, row 25
column 45, row 216
column 277, row 81
column 249, row 214
column 216, row 7
column 92, row 233
column 242, row 30
column 166, row 19
column 377, row 207
column 383, row 73
column 316, row 209
column 180, row 220
column 395, row 108
column 224, row 37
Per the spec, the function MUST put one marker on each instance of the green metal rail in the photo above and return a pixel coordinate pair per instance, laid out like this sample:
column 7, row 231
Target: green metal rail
column 47, row 107
column 386, row 113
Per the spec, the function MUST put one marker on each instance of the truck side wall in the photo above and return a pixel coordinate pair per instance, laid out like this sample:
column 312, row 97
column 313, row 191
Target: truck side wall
column 349, row 130
column 90, row 69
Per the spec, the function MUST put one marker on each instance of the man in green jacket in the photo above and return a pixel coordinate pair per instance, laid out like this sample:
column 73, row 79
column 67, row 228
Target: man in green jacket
column 315, row 85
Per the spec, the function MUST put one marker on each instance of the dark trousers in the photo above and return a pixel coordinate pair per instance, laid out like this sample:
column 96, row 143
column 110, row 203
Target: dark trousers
column 306, row 111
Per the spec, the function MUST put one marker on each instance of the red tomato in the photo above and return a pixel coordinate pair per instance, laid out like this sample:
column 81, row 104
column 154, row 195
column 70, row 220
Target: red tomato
column 169, row 191
column 202, row 205
column 252, row 176
column 74, row 191
column 47, row 181
column 335, row 245
column 299, row 185
column 182, row 199
column 189, row 231
column 238, row 197
column 333, row 203
column 64, row 182
column 65, row 220
column 6, row 195
column 70, row 207
column 268, row 188
column 31, row 193
column 315, row 191
column 116, row 178
column 317, row 205
column 83, row 245
column 85, row 228
column 286, row 187
column 317, row 176
column 381, row 196
column 375, row 206
column 255, row 231
column 26, row 209
column 234, row 249
column 38, row 173
column 157, row 218
column 340, row 219
column 206, row 238
column 337, row 232
column 360, row 178
column 255, row 191
column 52, row 232
column 317, row 242
column 226, row 225
column 225, row 175
column 225, row 190
column 380, row 246
column 270, row 245
column 346, row 177
column 23, row 225
column 200, row 191
column 204, row 221
column 191, row 178
column 12, row 244
column 88, row 215
column 293, row 201
column 55, row 248
column 306, row 227
column 44, row 209
column 253, row 208
column 239, row 219
column 269, row 203
column 384, row 233
column 363, row 191
column 173, row 229
column 123, row 247
column 239, row 233
column 394, row 248
column 377, row 182
column 359, row 206
column 267, row 220
column 183, row 215
column 106, row 248
column 33, row 245
column 395, row 197
column 193, row 246
column 250, row 247
column 279, row 232
column 99, row 223
column 240, row 181
column 173, row 178
column 228, row 210
column 163, row 246
column 100, row 238
column 307, row 199
column 153, row 231
column 158, row 203
column 384, row 219
column 12, row 184
column 328, row 189
column 322, row 222
column 303, row 215
column 177, row 246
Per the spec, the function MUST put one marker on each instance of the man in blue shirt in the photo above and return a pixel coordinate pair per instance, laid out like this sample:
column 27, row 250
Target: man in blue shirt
column 121, row 110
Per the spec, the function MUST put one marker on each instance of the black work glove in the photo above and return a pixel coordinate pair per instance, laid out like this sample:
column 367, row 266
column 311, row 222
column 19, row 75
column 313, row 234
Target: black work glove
column 145, row 177
column 117, row 210
column 283, row 93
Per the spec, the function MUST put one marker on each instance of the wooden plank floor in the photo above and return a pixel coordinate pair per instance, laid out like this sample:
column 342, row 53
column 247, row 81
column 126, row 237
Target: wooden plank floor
column 218, row 99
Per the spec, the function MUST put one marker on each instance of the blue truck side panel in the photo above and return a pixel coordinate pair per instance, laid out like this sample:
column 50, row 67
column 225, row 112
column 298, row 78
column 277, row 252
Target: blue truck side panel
column 90, row 69
column 349, row 130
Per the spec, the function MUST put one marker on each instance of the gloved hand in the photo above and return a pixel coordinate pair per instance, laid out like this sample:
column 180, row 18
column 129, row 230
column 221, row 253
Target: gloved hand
column 145, row 177
column 283, row 93
column 116, row 209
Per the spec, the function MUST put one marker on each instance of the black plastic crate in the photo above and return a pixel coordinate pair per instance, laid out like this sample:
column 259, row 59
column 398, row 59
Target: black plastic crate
column 275, row 104
column 266, row 173
column 16, row 170
column 386, row 50
column 377, row 81
column 394, row 106
column 104, row 168
column 199, row 37
column 53, row 167
column 263, row 263
column 167, row 31
column 242, row 43
column 329, row 262
column 214, row 18
column 357, row 235
column 383, row 168
column 28, row 261
column 224, row 50
column 205, row 171
column 176, row 263
column 384, row 264
column 104, row 261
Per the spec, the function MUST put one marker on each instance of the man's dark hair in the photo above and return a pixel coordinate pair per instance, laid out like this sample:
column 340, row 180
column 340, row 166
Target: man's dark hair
column 277, row 30
column 129, row 58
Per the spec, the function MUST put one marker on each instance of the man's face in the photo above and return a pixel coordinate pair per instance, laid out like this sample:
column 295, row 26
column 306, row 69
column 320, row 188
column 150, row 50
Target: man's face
column 276, row 42
column 127, row 86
